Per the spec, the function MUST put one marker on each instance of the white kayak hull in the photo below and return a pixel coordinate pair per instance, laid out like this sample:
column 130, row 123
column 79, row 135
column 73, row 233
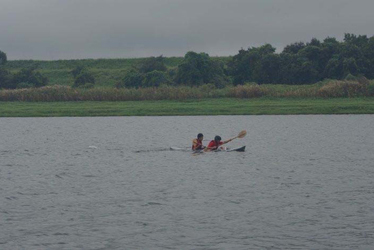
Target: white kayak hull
column 238, row 149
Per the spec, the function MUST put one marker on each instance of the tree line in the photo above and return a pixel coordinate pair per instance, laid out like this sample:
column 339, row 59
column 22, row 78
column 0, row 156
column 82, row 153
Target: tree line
column 299, row 63
column 303, row 63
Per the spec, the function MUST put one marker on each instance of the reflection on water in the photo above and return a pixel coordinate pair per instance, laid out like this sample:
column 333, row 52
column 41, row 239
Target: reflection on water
column 304, row 182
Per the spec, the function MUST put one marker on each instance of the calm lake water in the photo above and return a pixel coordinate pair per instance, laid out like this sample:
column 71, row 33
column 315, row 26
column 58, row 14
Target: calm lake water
column 304, row 182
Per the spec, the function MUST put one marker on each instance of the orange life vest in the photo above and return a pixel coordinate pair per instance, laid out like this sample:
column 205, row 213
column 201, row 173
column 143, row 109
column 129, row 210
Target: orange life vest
column 197, row 144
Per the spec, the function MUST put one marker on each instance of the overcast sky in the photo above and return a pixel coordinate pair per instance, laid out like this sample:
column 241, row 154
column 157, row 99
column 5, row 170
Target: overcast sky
column 77, row 29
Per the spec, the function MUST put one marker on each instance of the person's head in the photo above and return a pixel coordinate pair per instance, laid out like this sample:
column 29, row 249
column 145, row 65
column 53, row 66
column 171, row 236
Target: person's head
column 217, row 138
column 200, row 136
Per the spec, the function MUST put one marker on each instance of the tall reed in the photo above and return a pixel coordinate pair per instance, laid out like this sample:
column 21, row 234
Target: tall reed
column 345, row 89
column 58, row 93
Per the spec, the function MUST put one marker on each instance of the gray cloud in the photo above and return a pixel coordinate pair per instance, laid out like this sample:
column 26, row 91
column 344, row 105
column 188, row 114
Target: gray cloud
column 72, row 29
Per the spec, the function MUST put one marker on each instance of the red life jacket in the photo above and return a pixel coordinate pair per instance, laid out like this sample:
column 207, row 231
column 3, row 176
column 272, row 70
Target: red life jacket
column 213, row 144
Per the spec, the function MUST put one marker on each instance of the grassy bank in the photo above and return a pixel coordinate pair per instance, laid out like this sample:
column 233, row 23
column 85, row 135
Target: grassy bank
column 219, row 106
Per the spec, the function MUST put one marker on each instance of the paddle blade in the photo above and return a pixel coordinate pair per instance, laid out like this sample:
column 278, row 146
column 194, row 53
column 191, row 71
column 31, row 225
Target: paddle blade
column 242, row 134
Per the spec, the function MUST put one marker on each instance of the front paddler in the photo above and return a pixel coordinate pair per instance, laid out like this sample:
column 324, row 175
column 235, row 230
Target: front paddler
column 216, row 143
column 197, row 144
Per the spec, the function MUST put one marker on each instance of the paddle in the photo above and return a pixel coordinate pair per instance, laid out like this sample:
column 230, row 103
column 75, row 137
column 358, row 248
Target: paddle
column 240, row 135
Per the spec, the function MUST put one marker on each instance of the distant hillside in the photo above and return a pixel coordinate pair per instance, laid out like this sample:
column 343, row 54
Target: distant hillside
column 106, row 71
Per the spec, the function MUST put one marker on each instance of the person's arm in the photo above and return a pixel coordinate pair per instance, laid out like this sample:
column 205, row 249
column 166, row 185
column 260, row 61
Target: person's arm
column 194, row 144
column 227, row 141
column 201, row 145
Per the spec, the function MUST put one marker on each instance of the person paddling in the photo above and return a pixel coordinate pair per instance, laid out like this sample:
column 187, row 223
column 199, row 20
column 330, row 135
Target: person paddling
column 197, row 144
column 216, row 143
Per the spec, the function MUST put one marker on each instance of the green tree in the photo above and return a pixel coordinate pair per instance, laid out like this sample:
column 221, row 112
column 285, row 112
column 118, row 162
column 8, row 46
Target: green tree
column 6, row 79
column 314, row 42
column 314, row 55
column 267, row 70
column 198, row 69
column 350, row 67
column 29, row 77
column 3, row 58
column 368, row 51
column 330, row 48
column 251, row 65
column 301, row 63
column 353, row 59
column 307, row 73
column 155, row 79
column 359, row 41
column 334, row 69
column 293, row 48
column 239, row 67
column 297, row 70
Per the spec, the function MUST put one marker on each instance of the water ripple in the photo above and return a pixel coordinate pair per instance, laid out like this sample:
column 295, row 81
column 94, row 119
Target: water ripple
column 305, row 182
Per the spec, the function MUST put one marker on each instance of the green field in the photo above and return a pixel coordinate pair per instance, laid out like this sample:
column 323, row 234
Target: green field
column 219, row 106
column 107, row 72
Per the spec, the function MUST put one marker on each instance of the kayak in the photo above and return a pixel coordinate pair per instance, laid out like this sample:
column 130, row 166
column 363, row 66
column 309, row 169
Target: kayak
column 180, row 149
column 238, row 149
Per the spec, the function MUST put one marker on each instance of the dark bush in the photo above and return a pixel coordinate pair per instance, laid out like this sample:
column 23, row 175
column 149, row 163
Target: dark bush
column 77, row 70
column 155, row 78
column 84, row 79
column 29, row 77
column 152, row 64
column 133, row 79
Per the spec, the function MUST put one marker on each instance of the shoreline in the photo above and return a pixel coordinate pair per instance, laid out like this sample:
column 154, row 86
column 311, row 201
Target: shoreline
column 214, row 106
